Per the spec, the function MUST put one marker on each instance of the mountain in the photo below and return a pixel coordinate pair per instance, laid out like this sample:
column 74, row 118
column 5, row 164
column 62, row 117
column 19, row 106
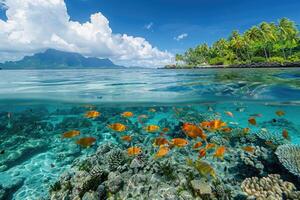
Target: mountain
column 55, row 59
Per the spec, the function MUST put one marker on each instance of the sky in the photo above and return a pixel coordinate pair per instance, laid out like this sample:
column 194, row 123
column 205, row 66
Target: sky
column 129, row 32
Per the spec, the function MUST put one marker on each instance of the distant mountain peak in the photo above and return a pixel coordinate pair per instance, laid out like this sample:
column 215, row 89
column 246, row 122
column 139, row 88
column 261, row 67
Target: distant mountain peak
column 53, row 59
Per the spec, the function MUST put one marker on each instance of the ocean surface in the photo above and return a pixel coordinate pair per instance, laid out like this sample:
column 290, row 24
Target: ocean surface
column 38, row 106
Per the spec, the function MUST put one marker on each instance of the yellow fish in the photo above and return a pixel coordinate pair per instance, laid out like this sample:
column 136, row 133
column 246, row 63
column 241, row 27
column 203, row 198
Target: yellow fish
column 280, row 113
column 92, row 114
column 86, row 142
column 152, row 128
column 134, row 151
column 117, row 127
column 127, row 114
column 179, row 142
column 204, row 168
column 162, row 151
column 70, row 134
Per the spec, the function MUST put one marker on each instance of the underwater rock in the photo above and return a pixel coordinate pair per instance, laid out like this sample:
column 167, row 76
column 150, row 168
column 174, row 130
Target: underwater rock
column 102, row 193
column 219, row 140
column 115, row 159
column 289, row 157
column 90, row 196
column 114, row 182
column 270, row 187
column 201, row 188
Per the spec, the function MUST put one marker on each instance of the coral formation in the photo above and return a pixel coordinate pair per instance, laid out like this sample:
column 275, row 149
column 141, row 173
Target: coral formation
column 289, row 157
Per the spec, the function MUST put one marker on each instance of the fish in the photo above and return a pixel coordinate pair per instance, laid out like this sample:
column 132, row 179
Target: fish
column 117, row 127
column 280, row 113
column 256, row 115
column 70, row 134
column 285, row 134
column 165, row 130
column 151, row 128
column 252, row 121
column 92, row 114
column 197, row 145
column 230, row 114
column 126, row 138
column 213, row 125
column 142, row 117
column 202, row 153
column 152, row 110
column 226, row 130
column 248, row 149
column 127, row 114
column 132, row 151
column 204, row 168
column 179, row 142
column 86, row 142
column 162, row 151
column 271, row 144
column 219, row 153
column 160, row 141
column 2, row 151
column 246, row 130
column 209, row 146
column 193, row 131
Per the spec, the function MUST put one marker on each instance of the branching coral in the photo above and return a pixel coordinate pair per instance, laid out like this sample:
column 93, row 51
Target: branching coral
column 275, row 137
column 270, row 187
column 115, row 159
column 289, row 157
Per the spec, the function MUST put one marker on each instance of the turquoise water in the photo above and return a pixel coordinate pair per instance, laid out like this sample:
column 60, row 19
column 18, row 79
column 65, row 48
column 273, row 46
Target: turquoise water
column 38, row 106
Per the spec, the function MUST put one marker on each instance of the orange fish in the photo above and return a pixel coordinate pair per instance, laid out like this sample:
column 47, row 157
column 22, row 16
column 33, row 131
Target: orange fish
column 134, row 151
column 202, row 153
column 285, row 134
column 246, row 130
column 92, row 114
column 71, row 134
column 160, row 141
column 162, row 151
column 127, row 114
column 249, row 149
column 86, row 142
column 205, row 125
column 179, row 142
column 280, row 113
column 210, row 146
column 193, row 131
column 226, row 130
column 219, row 153
column 213, row 125
column 117, row 127
column 252, row 121
column 197, row 145
column 151, row 128
column 127, row 138
column 165, row 129
column 230, row 114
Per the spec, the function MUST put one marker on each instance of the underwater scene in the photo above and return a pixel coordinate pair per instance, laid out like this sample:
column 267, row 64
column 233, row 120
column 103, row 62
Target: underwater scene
column 150, row 134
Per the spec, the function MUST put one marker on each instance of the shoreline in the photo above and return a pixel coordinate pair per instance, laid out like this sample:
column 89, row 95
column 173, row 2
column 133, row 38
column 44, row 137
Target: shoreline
column 241, row 66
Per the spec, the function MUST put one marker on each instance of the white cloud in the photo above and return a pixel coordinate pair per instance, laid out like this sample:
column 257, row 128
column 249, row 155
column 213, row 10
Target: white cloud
column 181, row 36
column 33, row 26
column 149, row 26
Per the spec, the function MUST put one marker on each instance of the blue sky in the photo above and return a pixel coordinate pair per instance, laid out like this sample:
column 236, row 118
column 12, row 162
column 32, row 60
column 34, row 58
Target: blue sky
column 129, row 32
column 202, row 20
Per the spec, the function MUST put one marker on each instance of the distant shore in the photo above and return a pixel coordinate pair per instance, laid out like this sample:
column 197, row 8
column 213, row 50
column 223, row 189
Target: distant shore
column 248, row 65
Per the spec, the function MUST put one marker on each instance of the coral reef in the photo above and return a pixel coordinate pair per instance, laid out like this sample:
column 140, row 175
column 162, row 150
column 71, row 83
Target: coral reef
column 274, row 136
column 289, row 157
column 270, row 187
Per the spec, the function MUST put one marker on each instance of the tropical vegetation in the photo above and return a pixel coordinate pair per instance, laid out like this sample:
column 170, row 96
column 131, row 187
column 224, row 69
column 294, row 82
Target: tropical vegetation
column 267, row 42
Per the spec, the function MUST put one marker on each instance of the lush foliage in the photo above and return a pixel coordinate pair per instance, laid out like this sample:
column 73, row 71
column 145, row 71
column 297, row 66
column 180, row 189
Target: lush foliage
column 268, row 42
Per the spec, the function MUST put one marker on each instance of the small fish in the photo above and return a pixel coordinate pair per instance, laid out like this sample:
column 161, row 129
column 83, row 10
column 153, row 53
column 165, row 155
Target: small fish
column 127, row 114
column 213, row 125
column 179, row 142
column 151, row 128
column 246, row 130
column 117, row 127
column 134, row 151
column 271, row 144
column 280, row 113
column 202, row 153
column 162, row 151
column 92, row 114
column 165, row 130
column 226, row 130
column 285, row 134
column 219, row 153
column 197, row 145
column 230, row 114
column 2, row 151
column 193, row 131
column 210, row 109
column 256, row 115
column 252, row 121
column 240, row 109
column 248, row 149
column 160, row 141
column 204, row 168
column 152, row 110
column 141, row 117
column 209, row 146
column 86, row 142
column 126, row 138
column 52, row 165
column 70, row 134
column 9, row 115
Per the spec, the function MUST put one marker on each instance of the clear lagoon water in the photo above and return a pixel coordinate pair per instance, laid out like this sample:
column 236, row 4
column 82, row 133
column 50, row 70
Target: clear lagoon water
column 38, row 106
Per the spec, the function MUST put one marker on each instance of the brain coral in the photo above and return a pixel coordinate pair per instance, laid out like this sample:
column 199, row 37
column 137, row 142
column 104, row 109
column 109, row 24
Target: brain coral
column 289, row 157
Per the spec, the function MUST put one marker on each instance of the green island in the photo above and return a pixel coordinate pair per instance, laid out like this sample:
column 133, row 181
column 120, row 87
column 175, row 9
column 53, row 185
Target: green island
column 265, row 45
